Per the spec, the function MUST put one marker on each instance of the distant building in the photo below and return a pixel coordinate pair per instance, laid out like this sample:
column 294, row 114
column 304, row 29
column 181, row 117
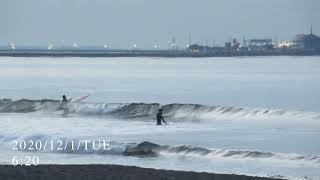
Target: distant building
column 286, row 44
column 260, row 44
column 227, row 45
column 195, row 48
column 236, row 44
column 309, row 41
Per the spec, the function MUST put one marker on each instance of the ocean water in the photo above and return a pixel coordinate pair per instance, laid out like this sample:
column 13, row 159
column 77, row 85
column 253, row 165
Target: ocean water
column 248, row 115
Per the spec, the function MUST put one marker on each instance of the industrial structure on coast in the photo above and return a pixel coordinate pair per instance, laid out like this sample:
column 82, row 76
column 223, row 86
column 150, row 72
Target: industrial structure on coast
column 303, row 44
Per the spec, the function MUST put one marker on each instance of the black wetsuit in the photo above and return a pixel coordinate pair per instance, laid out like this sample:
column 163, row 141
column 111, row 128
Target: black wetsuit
column 159, row 118
column 64, row 105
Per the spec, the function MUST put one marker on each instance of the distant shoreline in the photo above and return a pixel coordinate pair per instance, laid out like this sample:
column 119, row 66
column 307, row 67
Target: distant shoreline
column 154, row 53
column 109, row 172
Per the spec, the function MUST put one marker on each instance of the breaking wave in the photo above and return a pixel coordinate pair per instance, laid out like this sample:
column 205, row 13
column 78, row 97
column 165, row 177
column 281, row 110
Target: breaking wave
column 72, row 145
column 131, row 110
column 147, row 148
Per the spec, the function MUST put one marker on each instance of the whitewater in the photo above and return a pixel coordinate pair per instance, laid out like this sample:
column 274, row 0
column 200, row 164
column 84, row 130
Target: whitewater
column 248, row 115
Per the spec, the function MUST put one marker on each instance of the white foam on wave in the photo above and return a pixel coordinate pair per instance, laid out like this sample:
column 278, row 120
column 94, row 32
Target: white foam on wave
column 177, row 111
column 144, row 149
column 187, row 150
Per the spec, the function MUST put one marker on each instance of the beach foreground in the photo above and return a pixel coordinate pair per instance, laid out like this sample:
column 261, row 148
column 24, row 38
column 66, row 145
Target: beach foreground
column 106, row 172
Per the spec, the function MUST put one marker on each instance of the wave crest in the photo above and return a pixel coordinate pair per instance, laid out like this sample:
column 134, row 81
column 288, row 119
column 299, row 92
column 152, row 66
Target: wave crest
column 147, row 149
column 131, row 110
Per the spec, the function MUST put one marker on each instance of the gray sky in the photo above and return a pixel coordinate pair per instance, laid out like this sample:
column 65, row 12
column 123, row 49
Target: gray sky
column 119, row 23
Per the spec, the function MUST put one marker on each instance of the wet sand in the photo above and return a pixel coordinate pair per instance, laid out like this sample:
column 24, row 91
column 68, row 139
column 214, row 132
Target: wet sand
column 107, row 172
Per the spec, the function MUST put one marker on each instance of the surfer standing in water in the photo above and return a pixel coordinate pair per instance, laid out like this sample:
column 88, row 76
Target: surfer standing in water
column 160, row 118
column 64, row 103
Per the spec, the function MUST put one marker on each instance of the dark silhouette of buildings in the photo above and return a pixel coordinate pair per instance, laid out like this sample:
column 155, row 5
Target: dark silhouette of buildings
column 260, row 44
column 307, row 41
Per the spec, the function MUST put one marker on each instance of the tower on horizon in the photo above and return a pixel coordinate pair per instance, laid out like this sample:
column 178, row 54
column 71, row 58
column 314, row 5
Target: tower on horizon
column 189, row 39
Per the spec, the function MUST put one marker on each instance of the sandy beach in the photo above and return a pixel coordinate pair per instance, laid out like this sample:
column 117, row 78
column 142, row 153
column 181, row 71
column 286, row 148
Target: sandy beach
column 106, row 172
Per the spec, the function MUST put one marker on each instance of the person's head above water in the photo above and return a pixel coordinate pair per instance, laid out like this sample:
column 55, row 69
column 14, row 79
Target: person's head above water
column 160, row 110
column 64, row 97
